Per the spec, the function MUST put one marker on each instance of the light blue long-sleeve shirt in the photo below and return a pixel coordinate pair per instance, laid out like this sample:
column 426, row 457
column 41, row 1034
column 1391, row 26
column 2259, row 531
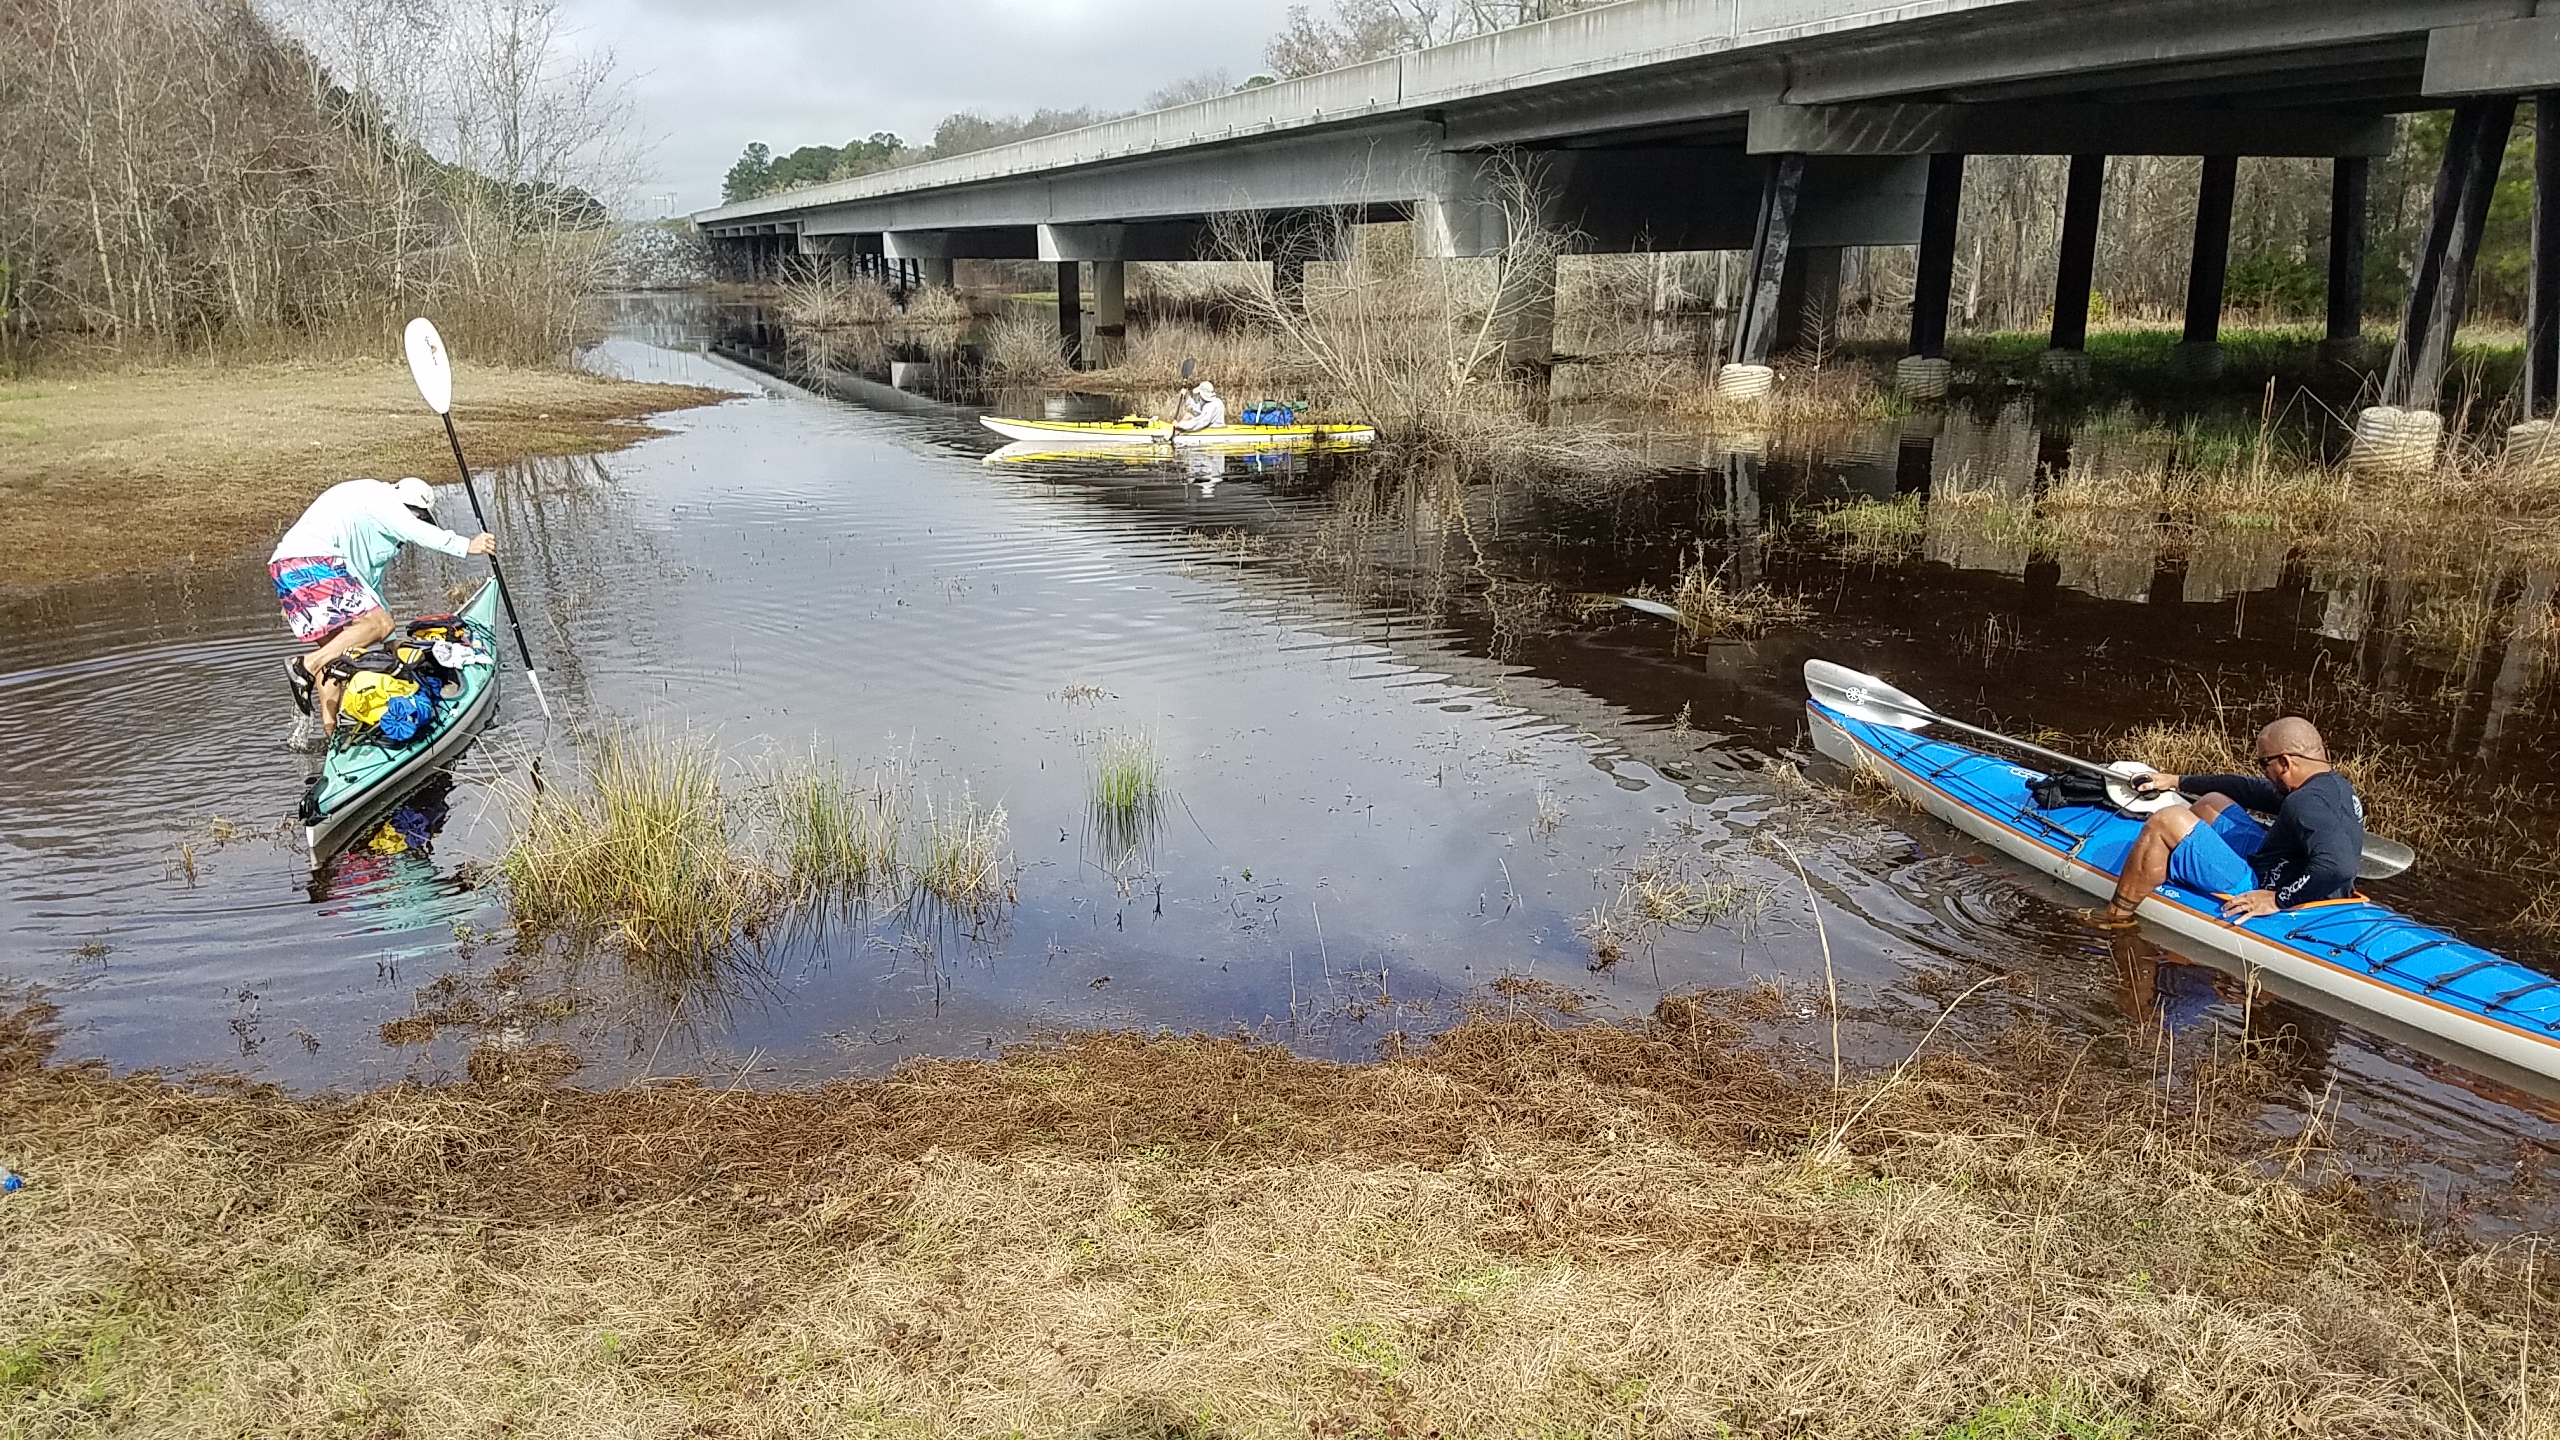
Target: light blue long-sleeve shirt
column 363, row 523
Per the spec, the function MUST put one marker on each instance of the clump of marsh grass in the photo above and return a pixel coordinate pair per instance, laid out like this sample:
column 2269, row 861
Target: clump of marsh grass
column 838, row 837
column 960, row 857
column 1127, row 768
column 937, row 305
column 1023, row 347
column 1239, row 358
column 819, row 296
column 648, row 851
column 1877, row 531
column 1709, row 610
column 1666, row 888
column 655, row 853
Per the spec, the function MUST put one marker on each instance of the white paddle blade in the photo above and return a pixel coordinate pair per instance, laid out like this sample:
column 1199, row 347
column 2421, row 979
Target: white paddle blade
column 2133, row 801
column 1863, row 697
column 429, row 365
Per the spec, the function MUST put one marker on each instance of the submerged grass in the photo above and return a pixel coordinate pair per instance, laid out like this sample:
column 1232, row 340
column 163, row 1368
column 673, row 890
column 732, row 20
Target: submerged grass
column 648, row 851
column 656, row 854
column 1667, row 888
column 1515, row 1230
column 961, row 859
column 1126, row 770
column 837, row 837
column 1711, row 611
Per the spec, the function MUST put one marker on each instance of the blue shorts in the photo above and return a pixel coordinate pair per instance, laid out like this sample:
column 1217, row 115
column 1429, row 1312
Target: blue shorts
column 2215, row 858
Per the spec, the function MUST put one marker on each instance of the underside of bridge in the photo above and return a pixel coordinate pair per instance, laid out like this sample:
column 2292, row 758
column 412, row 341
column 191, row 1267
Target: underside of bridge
column 1852, row 135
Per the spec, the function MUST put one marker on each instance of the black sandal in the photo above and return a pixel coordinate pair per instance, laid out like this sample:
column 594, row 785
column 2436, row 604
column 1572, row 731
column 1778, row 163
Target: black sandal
column 300, row 680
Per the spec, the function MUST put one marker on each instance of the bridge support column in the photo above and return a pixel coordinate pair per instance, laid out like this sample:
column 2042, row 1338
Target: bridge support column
column 938, row 274
column 2074, row 271
column 2534, row 444
column 1923, row 374
column 2402, row 432
column 1808, row 299
column 2542, row 323
column 1747, row 375
column 2208, row 265
column 1071, row 309
column 1110, row 311
column 1524, row 315
column 2346, row 258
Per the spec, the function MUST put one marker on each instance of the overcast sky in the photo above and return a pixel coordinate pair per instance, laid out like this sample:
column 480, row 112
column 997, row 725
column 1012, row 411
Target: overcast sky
column 711, row 75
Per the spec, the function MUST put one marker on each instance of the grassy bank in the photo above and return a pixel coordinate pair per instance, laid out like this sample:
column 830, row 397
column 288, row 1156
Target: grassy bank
column 1523, row 1230
column 124, row 470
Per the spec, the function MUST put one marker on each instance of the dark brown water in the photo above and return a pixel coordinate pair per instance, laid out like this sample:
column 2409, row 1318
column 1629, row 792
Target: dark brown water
column 1403, row 759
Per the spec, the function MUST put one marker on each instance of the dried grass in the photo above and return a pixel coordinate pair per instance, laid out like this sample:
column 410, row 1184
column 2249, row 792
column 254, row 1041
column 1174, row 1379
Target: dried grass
column 1023, row 347
column 1709, row 611
column 1667, row 888
column 1519, row 1230
column 820, row 296
column 937, row 306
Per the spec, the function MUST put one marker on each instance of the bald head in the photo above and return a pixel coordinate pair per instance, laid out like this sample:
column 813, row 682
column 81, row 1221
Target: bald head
column 2293, row 735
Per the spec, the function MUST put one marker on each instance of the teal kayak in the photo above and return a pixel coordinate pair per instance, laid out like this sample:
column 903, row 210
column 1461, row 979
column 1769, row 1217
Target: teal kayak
column 2353, row 950
column 361, row 780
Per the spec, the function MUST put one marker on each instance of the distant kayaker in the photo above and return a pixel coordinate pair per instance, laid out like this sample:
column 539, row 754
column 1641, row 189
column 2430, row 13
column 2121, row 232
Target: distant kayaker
column 328, row 573
column 2216, row 846
column 1199, row 408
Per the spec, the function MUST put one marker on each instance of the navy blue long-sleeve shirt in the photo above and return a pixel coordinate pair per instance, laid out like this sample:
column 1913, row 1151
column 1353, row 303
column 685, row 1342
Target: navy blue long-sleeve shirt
column 2312, row 850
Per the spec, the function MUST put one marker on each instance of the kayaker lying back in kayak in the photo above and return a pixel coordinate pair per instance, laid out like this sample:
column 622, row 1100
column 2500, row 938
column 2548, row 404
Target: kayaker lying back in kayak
column 328, row 573
column 1199, row 408
column 2216, row 846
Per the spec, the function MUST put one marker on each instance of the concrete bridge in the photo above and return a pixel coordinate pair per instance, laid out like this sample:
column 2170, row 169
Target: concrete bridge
column 1788, row 128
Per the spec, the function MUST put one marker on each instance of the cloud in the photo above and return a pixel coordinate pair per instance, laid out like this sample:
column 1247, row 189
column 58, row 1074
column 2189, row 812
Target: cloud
column 711, row 75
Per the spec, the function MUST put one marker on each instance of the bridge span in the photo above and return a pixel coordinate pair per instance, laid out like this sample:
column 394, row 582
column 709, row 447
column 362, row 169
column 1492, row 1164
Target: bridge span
column 1788, row 128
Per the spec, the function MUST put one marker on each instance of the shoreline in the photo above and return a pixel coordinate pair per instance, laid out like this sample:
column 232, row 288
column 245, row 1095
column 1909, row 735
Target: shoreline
column 1522, row 1227
column 111, row 472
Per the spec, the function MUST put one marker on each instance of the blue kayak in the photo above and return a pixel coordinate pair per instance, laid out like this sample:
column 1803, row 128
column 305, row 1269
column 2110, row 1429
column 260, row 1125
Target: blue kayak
column 2353, row 949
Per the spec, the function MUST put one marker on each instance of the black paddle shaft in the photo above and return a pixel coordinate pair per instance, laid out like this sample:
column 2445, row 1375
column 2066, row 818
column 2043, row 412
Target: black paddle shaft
column 506, row 596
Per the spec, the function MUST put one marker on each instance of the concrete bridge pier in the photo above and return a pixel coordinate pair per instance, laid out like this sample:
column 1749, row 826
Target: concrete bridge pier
column 938, row 274
column 2403, row 432
column 1808, row 299
column 1110, row 300
column 1071, row 310
column 2200, row 348
column 2067, row 358
column 1524, row 315
column 1923, row 374
column 1746, row 374
column 2347, row 186
column 2542, row 323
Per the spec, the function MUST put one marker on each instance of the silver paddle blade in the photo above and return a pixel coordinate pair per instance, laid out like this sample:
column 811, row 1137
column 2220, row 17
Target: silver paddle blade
column 1863, row 697
column 2384, row 858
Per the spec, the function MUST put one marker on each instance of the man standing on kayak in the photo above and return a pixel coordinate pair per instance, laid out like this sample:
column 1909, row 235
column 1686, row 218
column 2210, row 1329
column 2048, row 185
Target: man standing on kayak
column 2216, row 846
column 328, row 574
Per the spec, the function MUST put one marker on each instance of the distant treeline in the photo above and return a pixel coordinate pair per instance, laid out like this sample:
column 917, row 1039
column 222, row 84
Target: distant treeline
column 760, row 172
column 181, row 173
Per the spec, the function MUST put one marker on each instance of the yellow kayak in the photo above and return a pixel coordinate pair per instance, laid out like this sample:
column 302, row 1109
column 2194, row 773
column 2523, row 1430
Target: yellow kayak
column 1140, row 429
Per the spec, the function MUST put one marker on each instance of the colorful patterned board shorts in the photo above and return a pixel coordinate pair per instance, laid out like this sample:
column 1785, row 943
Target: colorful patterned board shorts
column 319, row 595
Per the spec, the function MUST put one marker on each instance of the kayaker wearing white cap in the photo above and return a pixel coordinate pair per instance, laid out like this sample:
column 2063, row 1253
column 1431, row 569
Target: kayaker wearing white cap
column 328, row 573
column 1198, row 409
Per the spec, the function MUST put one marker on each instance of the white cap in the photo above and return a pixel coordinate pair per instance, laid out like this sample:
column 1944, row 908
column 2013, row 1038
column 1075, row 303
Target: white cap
column 415, row 493
column 1204, row 389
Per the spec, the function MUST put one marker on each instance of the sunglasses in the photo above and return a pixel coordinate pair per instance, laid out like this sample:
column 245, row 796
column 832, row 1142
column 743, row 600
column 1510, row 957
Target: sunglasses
column 2282, row 755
